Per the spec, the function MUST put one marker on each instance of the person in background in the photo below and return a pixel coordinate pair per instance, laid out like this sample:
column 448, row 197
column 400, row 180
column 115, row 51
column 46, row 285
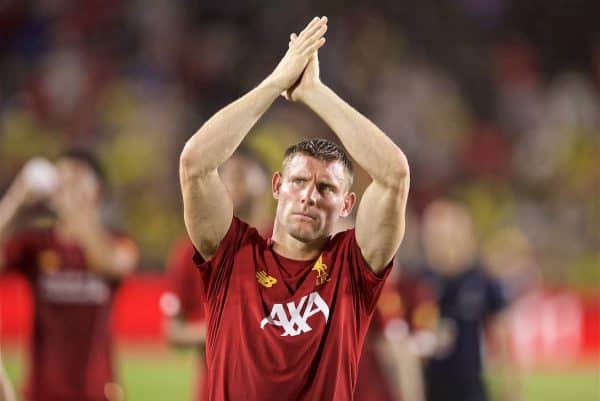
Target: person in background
column 182, row 303
column 469, row 303
column 390, row 368
column 74, row 264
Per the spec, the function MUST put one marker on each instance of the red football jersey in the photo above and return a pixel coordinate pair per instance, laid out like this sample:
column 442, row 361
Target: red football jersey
column 185, row 284
column 373, row 382
column 184, row 281
column 71, row 341
column 280, row 329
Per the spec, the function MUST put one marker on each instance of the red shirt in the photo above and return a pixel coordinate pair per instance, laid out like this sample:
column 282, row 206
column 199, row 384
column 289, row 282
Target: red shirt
column 280, row 329
column 185, row 284
column 71, row 342
column 184, row 281
column 373, row 382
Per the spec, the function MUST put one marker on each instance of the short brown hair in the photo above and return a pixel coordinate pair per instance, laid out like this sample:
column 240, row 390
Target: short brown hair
column 321, row 149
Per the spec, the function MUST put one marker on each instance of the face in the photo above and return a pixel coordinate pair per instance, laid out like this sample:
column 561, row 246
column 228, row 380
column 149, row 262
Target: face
column 448, row 237
column 312, row 195
column 244, row 180
column 78, row 178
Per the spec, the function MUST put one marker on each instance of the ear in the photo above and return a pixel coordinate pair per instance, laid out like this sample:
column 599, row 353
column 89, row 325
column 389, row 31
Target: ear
column 349, row 201
column 276, row 184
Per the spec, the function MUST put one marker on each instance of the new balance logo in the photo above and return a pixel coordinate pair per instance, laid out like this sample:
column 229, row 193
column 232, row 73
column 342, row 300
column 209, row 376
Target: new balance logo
column 294, row 318
column 265, row 280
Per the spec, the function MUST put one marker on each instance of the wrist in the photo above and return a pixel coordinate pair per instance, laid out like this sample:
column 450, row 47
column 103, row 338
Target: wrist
column 312, row 93
column 273, row 84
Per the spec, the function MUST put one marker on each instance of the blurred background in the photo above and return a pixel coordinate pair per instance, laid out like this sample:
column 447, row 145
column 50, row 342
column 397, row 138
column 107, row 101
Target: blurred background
column 495, row 102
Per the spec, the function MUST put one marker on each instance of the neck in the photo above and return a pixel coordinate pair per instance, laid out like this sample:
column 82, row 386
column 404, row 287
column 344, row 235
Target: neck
column 292, row 248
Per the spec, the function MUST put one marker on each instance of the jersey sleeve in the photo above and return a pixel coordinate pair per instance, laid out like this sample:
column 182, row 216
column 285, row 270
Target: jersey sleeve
column 216, row 271
column 366, row 284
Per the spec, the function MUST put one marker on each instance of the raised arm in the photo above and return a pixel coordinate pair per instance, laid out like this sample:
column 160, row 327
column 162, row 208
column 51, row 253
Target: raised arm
column 20, row 194
column 380, row 217
column 107, row 254
column 208, row 209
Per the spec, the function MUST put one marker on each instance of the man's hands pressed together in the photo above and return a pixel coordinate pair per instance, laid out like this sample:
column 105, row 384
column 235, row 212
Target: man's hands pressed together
column 300, row 51
column 309, row 79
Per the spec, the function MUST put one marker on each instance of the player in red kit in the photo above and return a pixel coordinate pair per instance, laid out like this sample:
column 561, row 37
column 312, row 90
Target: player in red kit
column 287, row 316
column 74, row 266
column 183, row 304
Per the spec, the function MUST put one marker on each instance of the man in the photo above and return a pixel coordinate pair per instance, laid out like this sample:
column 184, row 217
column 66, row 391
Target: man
column 183, row 304
column 287, row 316
column 74, row 267
column 468, row 301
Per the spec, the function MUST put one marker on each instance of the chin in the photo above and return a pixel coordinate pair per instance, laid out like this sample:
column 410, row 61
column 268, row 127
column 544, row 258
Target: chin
column 303, row 234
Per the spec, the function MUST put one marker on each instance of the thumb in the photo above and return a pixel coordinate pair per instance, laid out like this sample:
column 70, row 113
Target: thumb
column 293, row 37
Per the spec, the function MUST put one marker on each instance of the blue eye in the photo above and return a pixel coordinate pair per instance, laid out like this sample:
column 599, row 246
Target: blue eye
column 325, row 188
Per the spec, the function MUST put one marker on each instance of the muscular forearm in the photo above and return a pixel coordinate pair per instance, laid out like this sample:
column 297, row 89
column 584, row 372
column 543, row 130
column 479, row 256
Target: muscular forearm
column 365, row 142
column 182, row 334
column 101, row 251
column 220, row 136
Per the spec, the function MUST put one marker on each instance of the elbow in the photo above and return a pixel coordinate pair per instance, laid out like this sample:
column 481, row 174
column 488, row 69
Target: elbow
column 403, row 169
column 398, row 174
column 190, row 161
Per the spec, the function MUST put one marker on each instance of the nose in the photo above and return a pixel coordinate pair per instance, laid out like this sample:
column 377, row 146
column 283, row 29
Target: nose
column 310, row 195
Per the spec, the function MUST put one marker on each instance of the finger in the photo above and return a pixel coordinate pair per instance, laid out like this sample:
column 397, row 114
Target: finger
column 316, row 46
column 311, row 23
column 312, row 27
column 311, row 42
column 307, row 33
column 311, row 47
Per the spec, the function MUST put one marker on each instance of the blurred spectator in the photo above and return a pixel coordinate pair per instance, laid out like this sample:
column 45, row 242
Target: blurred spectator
column 133, row 79
column 467, row 299
column 390, row 368
column 74, row 264
column 509, row 258
column 182, row 304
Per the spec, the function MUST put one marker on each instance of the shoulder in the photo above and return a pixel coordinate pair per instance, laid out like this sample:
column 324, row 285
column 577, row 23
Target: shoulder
column 239, row 236
column 243, row 233
column 342, row 239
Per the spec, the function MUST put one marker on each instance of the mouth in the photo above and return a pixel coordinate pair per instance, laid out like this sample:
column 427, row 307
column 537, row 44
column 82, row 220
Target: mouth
column 305, row 216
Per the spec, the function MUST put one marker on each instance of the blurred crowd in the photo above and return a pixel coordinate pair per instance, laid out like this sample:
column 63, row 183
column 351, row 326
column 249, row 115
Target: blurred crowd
column 490, row 108
column 495, row 103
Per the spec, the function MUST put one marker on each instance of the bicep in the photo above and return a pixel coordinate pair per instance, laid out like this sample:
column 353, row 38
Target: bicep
column 208, row 211
column 380, row 222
